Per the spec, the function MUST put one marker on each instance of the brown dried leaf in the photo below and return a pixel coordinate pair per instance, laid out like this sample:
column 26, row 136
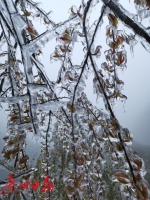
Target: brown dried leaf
column 30, row 129
column 6, row 138
column 147, row 3
column 37, row 15
column 10, row 143
column 26, row 177
column 145, row 191
column 46, row 22
column 114, row 125
column 17, row 73
column 26, row 13
column 15, row 151
column 122, row 177
column 69, row 189
column 113, row 19
column 70, row 78
column 77, row 184
column 119, row 41
column 120, row 59
column 27, row 119
column 138, row 161
column 59, row 79
column 73, row 10
column 66, row 38
column 7, row 155
column 142, row 191
column 71, row 108
column 15, row 140
column 90, row 127
column 79, row 14
column 32, row 31
column 23, row 160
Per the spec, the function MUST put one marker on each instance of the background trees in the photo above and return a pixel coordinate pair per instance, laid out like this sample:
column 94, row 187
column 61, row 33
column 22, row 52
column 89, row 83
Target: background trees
column 87, row 139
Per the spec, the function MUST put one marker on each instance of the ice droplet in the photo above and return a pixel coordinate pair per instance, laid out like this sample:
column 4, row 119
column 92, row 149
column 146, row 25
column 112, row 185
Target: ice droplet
column 124, row 107
column 1, row 107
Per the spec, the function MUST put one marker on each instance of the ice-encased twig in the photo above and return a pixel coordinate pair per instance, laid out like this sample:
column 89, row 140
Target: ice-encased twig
column 34, row 5
column 48, row 35
column 14, row 100
column 31, row 170
column 20, row 126
column 53, row 106
column 33, row 87
column 42, row 71
column 2, row 163
column 125, row 17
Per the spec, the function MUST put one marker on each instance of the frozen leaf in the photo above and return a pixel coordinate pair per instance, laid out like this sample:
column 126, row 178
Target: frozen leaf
column 90, row 127
column 70, row 107
column 142, row 191
column 59, row 79
column 70, row 78
column 122, row 177
column 147, row 3
column 113, row 19
column 138, row 162
column 46, row 21
column 32, row 31
column 23, row 160
column 79, row 14
column 77, row 184
column 6, row 138
column 70, row 189
column 27, row 119
column 120, row 59
column 66, row 37
column 119, row 41
column 26, row 13
column 73, row 10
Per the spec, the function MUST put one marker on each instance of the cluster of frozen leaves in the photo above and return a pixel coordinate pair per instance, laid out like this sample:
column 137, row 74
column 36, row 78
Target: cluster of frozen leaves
column 89, row 137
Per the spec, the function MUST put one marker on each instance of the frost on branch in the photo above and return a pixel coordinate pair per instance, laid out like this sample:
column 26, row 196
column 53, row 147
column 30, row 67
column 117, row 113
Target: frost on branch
column 83, row 149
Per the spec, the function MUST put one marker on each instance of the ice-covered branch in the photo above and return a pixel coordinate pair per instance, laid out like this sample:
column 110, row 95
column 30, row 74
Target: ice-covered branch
column 20, row 126
column 28, row 171
column 34, row 5
column 9, row 168
column 48, row 35
column 49, row 106
column 126, row 18
column 13, row 100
